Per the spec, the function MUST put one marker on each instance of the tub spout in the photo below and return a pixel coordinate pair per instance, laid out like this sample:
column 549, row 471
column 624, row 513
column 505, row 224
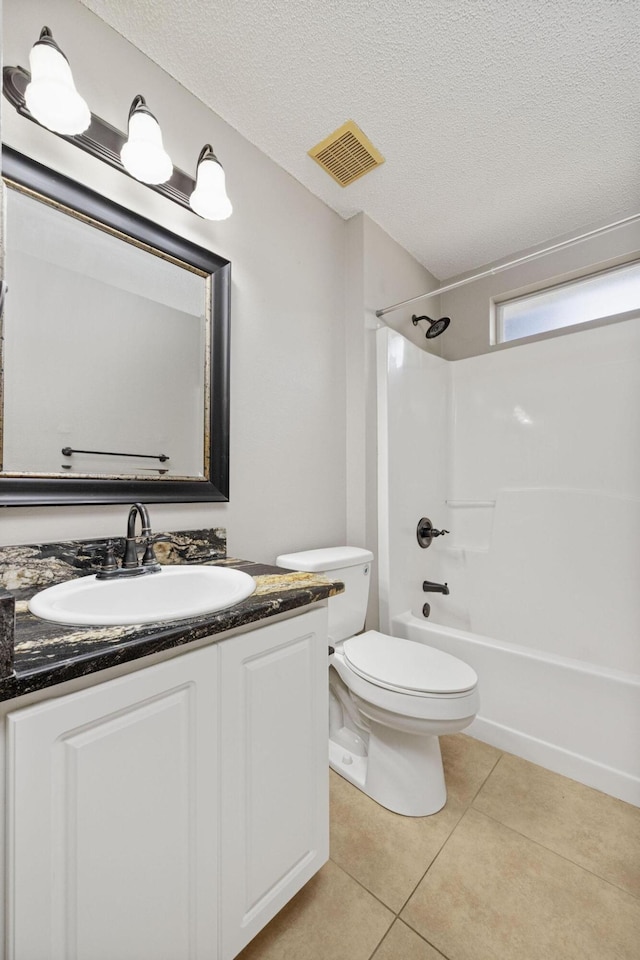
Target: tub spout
column 429, row 587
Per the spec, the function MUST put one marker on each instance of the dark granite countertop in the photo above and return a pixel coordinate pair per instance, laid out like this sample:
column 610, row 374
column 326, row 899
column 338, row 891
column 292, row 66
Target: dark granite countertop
column 44, row 653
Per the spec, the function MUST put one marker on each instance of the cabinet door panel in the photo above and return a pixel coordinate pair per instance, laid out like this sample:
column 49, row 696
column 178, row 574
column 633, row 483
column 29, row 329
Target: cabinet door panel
column 112, row 818
column 274, row 771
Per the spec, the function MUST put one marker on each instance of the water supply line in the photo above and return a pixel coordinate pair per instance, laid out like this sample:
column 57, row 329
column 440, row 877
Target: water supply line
column 511, row 263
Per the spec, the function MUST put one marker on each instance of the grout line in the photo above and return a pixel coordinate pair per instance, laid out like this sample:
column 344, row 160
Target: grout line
column 452, row 831
column 366, row 889
column 465, row 810
column 432, row 945
column 439, row 851
column 555, row 853
column 419, row 935
column 437, row 856
column 474, row 797
column 383, row 939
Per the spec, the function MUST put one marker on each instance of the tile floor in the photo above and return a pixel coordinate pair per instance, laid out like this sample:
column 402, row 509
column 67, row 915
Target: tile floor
column 521, row 864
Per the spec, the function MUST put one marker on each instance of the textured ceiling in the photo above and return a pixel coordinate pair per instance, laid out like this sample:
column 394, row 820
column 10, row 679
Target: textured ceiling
column 504, row 123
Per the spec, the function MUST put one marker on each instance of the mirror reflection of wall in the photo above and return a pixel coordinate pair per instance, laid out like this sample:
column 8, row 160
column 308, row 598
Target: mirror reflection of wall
column 105, row 349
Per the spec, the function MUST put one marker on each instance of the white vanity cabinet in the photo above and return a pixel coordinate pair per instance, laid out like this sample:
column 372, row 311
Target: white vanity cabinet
column 274, row 772
column 169, row 813
column 112, row 797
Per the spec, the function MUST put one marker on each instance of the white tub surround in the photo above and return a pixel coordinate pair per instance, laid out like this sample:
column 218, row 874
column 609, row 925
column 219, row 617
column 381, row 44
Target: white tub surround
column 543, row 707
column 529, row 456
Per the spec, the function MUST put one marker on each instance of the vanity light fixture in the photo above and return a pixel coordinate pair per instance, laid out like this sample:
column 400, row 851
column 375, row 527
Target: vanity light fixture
column 209, row 199
column 143, row 155
column 51, row 96
column 47, row 96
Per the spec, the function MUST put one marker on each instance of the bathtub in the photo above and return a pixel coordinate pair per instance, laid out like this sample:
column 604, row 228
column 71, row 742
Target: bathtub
column 575, row 718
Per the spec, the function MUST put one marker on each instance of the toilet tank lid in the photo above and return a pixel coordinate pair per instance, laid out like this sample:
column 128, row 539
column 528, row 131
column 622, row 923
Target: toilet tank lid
column 327, row 558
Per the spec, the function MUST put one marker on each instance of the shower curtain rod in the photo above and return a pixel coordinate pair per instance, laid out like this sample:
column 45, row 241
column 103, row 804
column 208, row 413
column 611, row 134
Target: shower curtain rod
column 511, row 263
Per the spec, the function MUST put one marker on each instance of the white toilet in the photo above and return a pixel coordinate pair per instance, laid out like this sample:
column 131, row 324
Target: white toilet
column 389, row 698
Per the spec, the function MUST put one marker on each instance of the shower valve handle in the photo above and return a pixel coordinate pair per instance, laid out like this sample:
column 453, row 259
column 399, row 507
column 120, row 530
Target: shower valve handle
column 426, row 532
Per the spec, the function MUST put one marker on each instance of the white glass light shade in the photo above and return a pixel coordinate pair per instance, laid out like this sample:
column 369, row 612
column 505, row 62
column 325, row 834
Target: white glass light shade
column 51, row 96
column 209, row 199
column 143, row 155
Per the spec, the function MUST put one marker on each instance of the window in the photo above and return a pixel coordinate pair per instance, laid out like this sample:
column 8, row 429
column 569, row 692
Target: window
column 602, row 295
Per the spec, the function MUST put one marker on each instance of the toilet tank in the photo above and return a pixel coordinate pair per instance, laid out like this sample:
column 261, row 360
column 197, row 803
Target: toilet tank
column 352, row 565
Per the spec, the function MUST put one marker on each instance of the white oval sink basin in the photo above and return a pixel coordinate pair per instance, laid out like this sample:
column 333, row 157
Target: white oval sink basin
column 173, row 593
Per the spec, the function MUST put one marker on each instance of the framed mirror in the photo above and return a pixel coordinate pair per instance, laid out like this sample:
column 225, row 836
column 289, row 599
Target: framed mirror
column 115, row 352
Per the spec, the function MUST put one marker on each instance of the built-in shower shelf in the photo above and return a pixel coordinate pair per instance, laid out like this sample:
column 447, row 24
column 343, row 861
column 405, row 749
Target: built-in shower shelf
column 470, row 503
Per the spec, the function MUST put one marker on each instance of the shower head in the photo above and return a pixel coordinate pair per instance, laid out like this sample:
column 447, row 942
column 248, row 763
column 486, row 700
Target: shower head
column 436, row 327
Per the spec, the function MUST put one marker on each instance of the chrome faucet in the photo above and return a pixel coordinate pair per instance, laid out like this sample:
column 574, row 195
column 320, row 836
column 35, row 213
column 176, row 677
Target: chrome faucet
column 131, row 565
column 429, row 587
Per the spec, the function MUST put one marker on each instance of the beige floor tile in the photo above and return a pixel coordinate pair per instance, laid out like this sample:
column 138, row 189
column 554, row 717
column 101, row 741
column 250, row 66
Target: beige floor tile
column 467, row 764
column 332, row 918
column 388, row 853
column 586, row 826
column 493, row 893
column 401, row 943
column 384, row 851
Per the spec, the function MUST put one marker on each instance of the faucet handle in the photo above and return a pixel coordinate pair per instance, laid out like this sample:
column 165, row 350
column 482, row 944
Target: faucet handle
column 109, row 565
column 149, row 559
column 110, row 562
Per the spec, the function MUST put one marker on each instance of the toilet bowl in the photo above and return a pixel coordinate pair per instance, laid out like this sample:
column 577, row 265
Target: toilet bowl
column 390, row 701
column 389, row 698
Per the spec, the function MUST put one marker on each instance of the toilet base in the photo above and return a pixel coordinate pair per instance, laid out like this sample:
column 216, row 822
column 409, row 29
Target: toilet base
column 348, row 765
column 402, row 772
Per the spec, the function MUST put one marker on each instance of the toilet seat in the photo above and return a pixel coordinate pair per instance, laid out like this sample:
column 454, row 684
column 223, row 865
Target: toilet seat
column 407, row 667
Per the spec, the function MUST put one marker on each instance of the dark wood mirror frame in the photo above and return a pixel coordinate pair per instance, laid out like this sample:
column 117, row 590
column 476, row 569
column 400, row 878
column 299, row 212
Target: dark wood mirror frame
column 44, row 491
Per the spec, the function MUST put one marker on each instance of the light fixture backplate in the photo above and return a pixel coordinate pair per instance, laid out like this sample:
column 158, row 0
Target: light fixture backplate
column 101, row 140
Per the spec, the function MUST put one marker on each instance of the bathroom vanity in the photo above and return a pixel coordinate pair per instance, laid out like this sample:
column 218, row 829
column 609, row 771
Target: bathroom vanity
column 166, row 785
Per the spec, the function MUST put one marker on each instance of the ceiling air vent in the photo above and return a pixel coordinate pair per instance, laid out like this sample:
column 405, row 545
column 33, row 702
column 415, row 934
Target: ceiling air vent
column 346, row 154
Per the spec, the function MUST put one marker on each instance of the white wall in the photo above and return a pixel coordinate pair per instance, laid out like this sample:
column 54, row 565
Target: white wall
column 287, row 343
column 379, row 272
column 470, row 306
